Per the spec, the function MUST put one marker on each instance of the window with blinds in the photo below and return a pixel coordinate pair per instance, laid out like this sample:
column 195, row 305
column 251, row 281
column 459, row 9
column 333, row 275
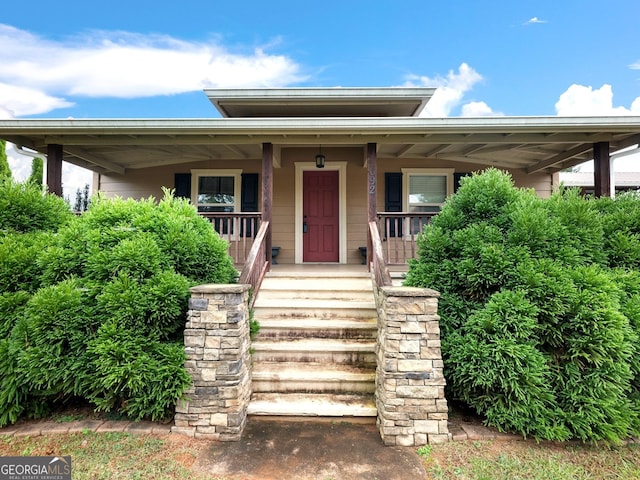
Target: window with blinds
column 426, row 192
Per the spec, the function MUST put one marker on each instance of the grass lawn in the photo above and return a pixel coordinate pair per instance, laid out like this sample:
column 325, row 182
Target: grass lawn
column 98, row 456
column 122, row 455
column 513, row 460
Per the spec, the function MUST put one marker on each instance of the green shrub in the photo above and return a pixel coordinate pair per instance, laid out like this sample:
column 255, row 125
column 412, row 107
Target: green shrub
column 594, row 375
column 539, row 335
column 12, row 305
column 96, row 310
column 14, row 394
column 138, row 257
column 23, row 208
column 136, row 375
column 621, row 226
column 54, row 360
column 483, row 198
column 19, row 268
column 188, row 242
column 498, row 370
column 155, row 307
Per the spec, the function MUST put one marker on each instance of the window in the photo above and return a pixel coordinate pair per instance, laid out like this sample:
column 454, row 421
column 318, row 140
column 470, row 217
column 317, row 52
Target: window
column 216, row 190
column 425, row 191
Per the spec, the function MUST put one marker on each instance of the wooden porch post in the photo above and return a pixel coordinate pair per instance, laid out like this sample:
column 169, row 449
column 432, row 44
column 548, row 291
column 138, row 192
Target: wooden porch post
column 601, row 169
column 267, row 193
column 372, row 172
column 54, row 169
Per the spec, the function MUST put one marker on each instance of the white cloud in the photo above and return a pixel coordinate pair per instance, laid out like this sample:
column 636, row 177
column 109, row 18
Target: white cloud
column 533, row 21
column 579, row 100
column 20, row 165
column 450, row 92
column 37, row 74
column 18, row 101
column 125, row 65
column 479, row 109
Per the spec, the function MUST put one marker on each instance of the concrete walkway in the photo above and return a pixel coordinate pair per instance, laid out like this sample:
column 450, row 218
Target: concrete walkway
column 310, row 450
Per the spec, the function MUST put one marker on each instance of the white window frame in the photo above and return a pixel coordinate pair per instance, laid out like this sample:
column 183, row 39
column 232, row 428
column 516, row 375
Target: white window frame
column 237, row 187
column 407, row 173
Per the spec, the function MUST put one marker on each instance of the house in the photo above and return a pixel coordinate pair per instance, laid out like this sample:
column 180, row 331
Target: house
column 260, row 161
column 622, row 182
column 328, row 175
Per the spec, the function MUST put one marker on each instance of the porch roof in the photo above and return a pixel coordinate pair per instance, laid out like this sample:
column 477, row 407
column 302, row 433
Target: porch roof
column 533, row 144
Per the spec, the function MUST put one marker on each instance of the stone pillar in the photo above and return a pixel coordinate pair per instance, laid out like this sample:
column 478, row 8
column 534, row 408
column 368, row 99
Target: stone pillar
column 216, row 341
column 412, row 409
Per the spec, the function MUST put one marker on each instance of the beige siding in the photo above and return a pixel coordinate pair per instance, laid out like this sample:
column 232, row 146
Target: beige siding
column 283, row 214
column 146, row 182
column 542, row 182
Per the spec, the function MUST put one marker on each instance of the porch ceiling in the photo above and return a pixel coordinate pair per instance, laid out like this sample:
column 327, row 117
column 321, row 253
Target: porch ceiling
column 534, row 144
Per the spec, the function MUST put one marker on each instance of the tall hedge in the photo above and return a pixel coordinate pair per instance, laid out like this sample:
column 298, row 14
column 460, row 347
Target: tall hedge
column 540, row 307
column 94, row 306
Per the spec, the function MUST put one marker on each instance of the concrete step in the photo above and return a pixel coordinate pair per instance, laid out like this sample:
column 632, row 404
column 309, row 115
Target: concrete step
column 318, row 282
column 310, row 405
column 315, row 353
column 326, row 351
column 317, row 294
column 292, row 328
column 317, row 271
column 307, row 308
column 293, row 377
column 354, row 286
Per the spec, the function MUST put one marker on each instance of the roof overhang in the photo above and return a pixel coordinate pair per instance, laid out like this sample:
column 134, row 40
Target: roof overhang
column 533, row 144
column 319, row 102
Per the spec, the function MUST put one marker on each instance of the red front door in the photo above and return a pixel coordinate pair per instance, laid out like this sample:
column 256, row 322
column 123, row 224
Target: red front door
column 320, row 238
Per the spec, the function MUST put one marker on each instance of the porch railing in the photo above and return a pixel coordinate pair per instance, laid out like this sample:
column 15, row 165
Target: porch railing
column 378, row 265
column 398, row 232
column 257, row 262
column 239, row 229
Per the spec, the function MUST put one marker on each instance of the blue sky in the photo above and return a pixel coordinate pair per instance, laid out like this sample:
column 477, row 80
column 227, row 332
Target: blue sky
column 150, row 59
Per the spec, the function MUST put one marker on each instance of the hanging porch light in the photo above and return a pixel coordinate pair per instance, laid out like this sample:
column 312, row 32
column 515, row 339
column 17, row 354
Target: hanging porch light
column 320, row 158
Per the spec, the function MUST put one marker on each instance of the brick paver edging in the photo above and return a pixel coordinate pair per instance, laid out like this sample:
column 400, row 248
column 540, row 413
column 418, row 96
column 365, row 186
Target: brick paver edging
column 35, row 429
column 459, row 431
